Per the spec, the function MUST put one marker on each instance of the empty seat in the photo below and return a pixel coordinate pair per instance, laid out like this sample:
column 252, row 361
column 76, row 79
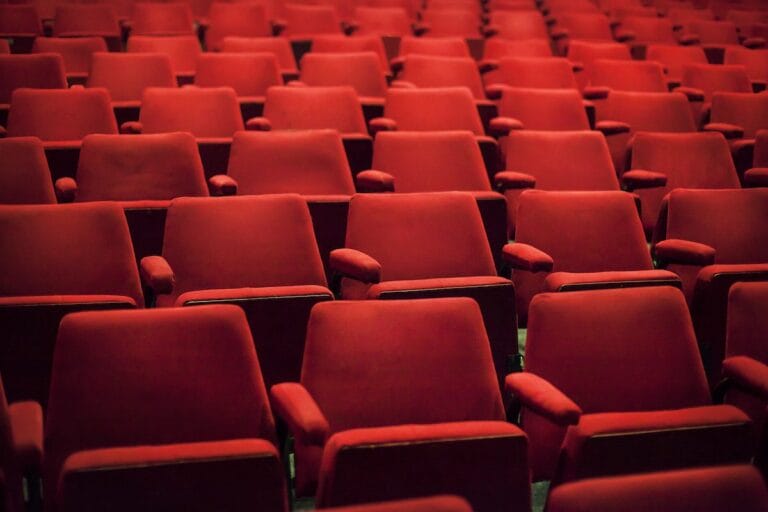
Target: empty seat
column 640, row 31
column 567, row 241
column 280, row 47
column 683, row 15
column 436, row 46
column 755, row 62
column 126, row 75
column 161, row 19
column 198, row 369
column 388, row 255
column 182, row 50
column 674, row 57
column 249, row 74
column 712, row 78
column 24, row 174
column 757, row 175
column 621, row 75
column 344, row 44
column 705, row 489
column 745, row 113
column 211, row 114
column 431, row 504
column 584, row 53
column 308, row 108
column 78, row 20
column 63, row 258
column 459, row 444
column 21, row 24
column 235, row 19
column 382, row 21
column 303, row 22
column 76, row 52
column 258, row 252
column 633, row 409
column 43, row 71
column 727, row 247
column 40, row 112
column 452, row 22
column 540, row 109
column 584, row 26
column 532, row 72
column 496, row 48
column 438, row 71
column 517, row 25
column 716, row 36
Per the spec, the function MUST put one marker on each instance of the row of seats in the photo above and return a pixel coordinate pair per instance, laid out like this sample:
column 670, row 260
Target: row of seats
column 400, row 392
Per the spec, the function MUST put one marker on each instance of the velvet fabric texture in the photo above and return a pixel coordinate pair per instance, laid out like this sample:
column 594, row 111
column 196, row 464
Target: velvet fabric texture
column 182, row 50
column 545, row 109
column 126, row 75
column 360, row 70
column 235, row 20
column 163, row 19
column 535, row 72
column 431, row 504
column 438, row 46
column 585, row 53
column 517, row 25
column 747, row 110
column 302, row 108
column 204, row 112
column 437, row 71
column 357, row 44
column 711, row 78
column 674, row 57
column 77, row 20
column 24, row 174
column 639, row 76
column 76, row 52
column 248, row 74
column 302, row 22
column 278, row 46
column 424, row 109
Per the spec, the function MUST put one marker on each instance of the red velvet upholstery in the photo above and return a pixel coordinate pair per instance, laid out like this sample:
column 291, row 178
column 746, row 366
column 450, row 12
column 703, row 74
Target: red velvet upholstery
column 535, row 72
column 291, row 108
column 77, row 20
column 713, row 33
column 706, row 490
column 623, row 75
column 573, row 160
column 749, row 111
column 5, row 47
column 641, row 31
column 182, row 50
column 280, row 47
column 24, row 174
column 76, row 52
column 451, row 22
column 431, row 504
column 237, row 19
column 689, row 160
column 169, row 400
column 436, row 46
column 438, row 71
column 126, row 75
column 674, row 57
column 711, row 78
column 584, row 53
column 305, row 21
column 161, row 19
column 205, row 112
column 372, row 370
column 755, row 61
column 258, row 252
column 359, row 43
column 63, row 258
column 517, row 25
column 426, row 109
column 361, row 70
column 640, row 413
column 724, row 220
column 545, row 109
column 590, row 26
column 761, row 149
column 21, row 23
column 419, row 262
column 382, row 21
column 44, row 71
column 496, row 48
column 583, row 232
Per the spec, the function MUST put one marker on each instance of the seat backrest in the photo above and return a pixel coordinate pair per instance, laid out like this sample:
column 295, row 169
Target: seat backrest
column 587, row 52
column 378, row 363
column 182, row 50
column 722, row 219
column 428, row 109
column 714, row 32
column 278, row 46
column 387, row 21
column 536, row 72
column 139, row 167
column 545, row 109
column 584, row 25
column 702, row 489
column 497, row 48
column 674, row 57
column 761, row 149
column 205, row 112
column 309, row 162
column 648, row 111
column 362, row 71
column 516, row 25
column 73, row 20
column 20, row 19
column 609, row 334
column 578, row 160
column 344, row 44
column 435, row 71
column 60, row 114
column 41, row 71
column 621, row 75
column 76, row 51
column 755, row 61
column 126, row 75
column 67, row 249
column 24, row 174
column 153, row 377
column 235, row 19
column 162, row 19
column 5, row 47
column 712, row 78
column 750, row 111
column 452, row 22
column 650, row 30
column 241, row 242
column 249, row 74
column 431, row 161
column 305, row 108
column 309, row 20
column 437, row 46
column 407, row 234
column 747, row 323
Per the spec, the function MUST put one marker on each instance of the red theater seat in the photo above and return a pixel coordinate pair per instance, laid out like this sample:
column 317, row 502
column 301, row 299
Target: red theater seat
column 182, row 50
column 430, row 420
column 496, row 48
column 757, row 176
column 162, row 409
column 258, row 252
column 739, row 116
column 674, row 57
column 21, row 24
column 728, row 246
column 517, row 25
column 531, row 72
column 382, row 22
column 63, row 258
column 344, row 44
column 389, row 254
column 278, row 46
column 641, row 31
column 705, row 489
column 161, row 19
column 632, row 413
column 454, row 21
column 583, row 54
column 303, row 22
column 76, row 52
column 566, row 241
column 235, row 19
column 432, row 504
column 703, row 80
column 716, row 36
column 540, row 109
column 24, row 174
column 78, row 20
column 624, row 75
column 755, row 61
column 580, row 25
column 43, row 71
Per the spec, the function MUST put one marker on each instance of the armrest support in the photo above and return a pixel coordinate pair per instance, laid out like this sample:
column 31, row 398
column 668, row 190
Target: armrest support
column 402, row 84
column 278, row 26
column 624, row 36
column 637, row 179
column 490, row 30
column 691, row 93
column 355, row 264
column 487, row 65
column 558, row 33
column 296, row 83
column 612, row 127
column 375, row 181
column 527, row 257
column 513, row 180
column 293, row 404
column 131, row 128
column 66, row 189
column 382, row 124
column 595, row 92
column 27, row 435
column 501, row 126
column 754, row 42
column 688, row 39
column 684, row 252
column 222, row 185
column 756, row 177
column 396, row 63
column 542, row 398
column 729, row 131
column 157, row 274
column 419, row 29
column 258, row 124
column 748, row 374
column 495, row 91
